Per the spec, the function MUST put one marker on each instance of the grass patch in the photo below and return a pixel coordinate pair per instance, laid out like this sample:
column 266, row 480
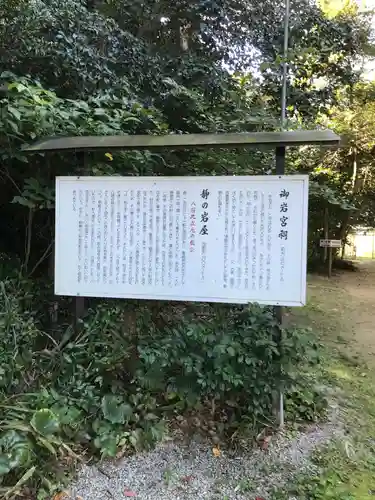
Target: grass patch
column 347, row 466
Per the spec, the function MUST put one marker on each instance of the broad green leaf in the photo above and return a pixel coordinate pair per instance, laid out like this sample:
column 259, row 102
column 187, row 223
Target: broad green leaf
column 13, row 126
column 45, row 422
column 20, row 87
column 5, row 465
column 231, row 351
column 23, row 201
column 17, row 448
column 13, row 111
column 107, row 445
column 114, row 410
column 101, row 112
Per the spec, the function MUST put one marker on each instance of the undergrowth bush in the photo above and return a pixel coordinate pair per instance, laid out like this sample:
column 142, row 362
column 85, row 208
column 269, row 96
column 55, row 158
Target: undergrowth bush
column 233, row 355
column 305, row 401
column 132, row 368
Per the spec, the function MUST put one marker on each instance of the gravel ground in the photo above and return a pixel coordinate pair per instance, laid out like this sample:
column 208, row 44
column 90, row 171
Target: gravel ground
column 183, row 471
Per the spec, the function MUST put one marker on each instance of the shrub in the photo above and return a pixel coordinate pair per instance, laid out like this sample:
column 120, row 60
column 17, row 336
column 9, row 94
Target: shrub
column 231, row 356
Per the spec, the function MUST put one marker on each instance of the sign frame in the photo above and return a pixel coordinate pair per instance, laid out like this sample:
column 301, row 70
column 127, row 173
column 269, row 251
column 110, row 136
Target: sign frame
column 209, row 180
column 279, row 141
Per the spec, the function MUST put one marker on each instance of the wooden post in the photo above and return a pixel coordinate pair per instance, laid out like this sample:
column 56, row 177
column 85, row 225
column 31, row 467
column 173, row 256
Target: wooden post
column 79, row 312
column 79, row 302
column 329, row 262
column 326, row 221
column 54, row 309
column 278, row 310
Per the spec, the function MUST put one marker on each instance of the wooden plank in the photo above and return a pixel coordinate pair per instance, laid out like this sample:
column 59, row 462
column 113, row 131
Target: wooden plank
column 173, row 141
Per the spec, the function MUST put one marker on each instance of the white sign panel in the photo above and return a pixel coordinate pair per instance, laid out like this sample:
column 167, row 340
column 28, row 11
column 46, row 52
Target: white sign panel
column 214, row 239
column 331, row 243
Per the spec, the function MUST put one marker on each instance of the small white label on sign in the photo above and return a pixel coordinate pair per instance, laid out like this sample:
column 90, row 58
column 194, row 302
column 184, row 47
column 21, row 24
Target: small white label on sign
column 213, row 239
column 331, row 243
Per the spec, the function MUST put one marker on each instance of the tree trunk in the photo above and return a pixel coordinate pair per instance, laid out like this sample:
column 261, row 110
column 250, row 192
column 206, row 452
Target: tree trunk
column 344, row 225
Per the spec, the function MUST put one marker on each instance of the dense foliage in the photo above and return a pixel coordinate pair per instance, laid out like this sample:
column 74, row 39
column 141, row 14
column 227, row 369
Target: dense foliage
column 121, row 382
column 110, row 67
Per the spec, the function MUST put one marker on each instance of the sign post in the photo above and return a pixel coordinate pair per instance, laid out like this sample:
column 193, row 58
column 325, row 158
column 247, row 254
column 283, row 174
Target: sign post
column 329, row 244
column 278, row 310
column 280, row 169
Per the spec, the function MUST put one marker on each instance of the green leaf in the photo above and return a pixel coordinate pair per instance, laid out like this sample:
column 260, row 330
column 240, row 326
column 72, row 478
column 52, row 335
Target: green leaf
column 107, row 445
column 135, row 438
column 17, row 425
column 13, row 126
column 22, row 158
column 101, row 112
column 151, row 416
column 131, row 119
column 47, row 445
column 17, row 447
column 23, row 201
column 7, row 74
column 45, row 422
column 5, row 465
column 14, row 112
column 20, row 87
column 114, row 410
column 231, row 351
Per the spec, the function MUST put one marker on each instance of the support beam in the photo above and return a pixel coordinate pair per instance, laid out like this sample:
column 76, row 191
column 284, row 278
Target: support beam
column 278, row 310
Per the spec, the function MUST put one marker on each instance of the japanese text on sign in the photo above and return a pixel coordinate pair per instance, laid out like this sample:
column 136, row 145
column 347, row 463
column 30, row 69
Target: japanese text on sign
column 217, row 239
column 204, row 215
column 284, row 195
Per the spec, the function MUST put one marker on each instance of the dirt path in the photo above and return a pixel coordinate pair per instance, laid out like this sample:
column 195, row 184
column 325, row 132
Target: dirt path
column 346, row 303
